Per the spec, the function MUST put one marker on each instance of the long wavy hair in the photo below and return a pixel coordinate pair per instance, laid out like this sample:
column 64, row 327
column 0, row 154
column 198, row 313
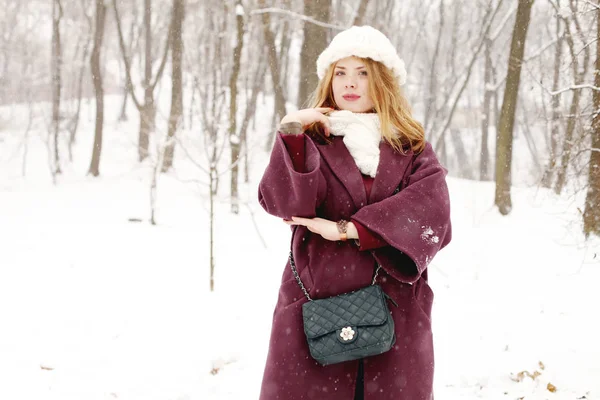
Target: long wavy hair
column 398, row 127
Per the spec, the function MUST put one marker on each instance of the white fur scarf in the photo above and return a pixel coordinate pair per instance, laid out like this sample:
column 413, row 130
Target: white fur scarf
column 362, row 135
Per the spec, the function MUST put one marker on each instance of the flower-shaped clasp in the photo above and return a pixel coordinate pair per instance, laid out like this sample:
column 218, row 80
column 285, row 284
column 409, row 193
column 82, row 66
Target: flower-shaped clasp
column 347, row 333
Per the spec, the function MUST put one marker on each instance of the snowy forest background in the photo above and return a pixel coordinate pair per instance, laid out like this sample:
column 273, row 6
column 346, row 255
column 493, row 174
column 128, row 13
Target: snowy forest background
column 133, row 134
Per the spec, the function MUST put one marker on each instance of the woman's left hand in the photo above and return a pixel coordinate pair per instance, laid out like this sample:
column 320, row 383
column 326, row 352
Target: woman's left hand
column 327, row 229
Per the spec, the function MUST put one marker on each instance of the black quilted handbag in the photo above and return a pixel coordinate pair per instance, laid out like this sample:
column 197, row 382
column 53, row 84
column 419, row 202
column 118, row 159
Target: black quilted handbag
column 349, row 326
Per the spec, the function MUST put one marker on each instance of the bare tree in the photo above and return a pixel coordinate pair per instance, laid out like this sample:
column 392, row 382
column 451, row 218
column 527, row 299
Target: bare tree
column 74, row 124
column 133, row 40
column 579, row 70
column 484, row 161
column 211, row 106
column 464, row 80
column 274, row 68
column 431, row 95
column 57, row 14
column 257, row 84
column 591, row 214
column 315, row 41
column 234, row 139
column 504, row 136
column 98, row 89
column 548, row 176
column 11, row 11
column 177, row 81
column 147, row 109
column 361, row 12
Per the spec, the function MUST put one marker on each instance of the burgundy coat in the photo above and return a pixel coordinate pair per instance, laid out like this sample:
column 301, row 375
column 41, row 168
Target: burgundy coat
column 415, row 223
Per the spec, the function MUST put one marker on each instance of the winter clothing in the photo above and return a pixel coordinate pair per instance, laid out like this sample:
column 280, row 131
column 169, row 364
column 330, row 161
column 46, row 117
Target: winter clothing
column 362, row 135
column 367, row 239
column 366, row 42
column 413, row 225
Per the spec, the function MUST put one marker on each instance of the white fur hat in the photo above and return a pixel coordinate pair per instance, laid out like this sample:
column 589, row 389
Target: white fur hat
column 366, row 42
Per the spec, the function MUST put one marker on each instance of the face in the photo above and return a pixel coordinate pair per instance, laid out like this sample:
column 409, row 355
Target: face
column 350, row 85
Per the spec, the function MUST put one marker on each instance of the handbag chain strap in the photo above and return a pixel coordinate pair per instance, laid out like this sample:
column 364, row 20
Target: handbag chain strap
column 297, row 276
column 295, row 272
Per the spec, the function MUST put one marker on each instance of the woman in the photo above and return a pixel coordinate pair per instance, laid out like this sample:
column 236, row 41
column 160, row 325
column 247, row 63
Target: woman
column 356, row 166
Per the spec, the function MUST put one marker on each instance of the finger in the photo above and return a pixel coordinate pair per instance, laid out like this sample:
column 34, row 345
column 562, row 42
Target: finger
column 326, row 125
column 301, row 220
column 324, row 109
column 327, row 129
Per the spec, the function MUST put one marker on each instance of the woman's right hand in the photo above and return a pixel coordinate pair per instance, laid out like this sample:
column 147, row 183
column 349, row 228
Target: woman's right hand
column 308, row 116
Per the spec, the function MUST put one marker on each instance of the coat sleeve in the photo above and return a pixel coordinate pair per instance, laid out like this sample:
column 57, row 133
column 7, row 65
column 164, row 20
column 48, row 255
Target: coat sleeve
column 367, row 240
column 285, row 192
column 415, row 222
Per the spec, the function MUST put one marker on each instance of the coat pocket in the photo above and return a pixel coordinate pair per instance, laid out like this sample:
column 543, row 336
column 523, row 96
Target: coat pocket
column 290, row 291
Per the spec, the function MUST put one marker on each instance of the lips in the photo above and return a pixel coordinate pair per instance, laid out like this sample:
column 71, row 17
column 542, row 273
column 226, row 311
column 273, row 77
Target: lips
column 351, row 97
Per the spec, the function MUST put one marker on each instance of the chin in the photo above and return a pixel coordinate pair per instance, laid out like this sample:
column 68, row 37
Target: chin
column 355, row 108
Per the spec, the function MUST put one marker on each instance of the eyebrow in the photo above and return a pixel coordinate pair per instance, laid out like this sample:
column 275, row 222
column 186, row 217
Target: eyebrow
column 340, row 67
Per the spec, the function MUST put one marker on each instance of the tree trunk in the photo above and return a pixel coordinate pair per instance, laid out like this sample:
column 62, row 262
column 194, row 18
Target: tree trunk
column 147, row 110
column 454, row 103
column 98, row 89
column 315, row 41
column 484, row 162
column 360, row 13
column 57, row 13
column 578, row 77
column 148, row 114
column 234, row 139
column 26, row 135
column 460, row 153
column 554, row 122
column 212, row 192
column 82, row 70
column 251, row 113
column 126, row 89
column 495, row 102
column 280, row 109
column 504, row 136
column 177, row 82
column 591, row 214
column 443, row 152
column 431, row 95
column 565, row 159
column 147, row 117
column 123, row 113
column 284, row 49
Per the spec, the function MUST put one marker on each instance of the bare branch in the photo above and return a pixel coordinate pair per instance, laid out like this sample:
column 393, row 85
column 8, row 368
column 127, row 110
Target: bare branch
column 539, row 52
column 164, row 59
column 486, row 30
column 274, row 10
column 125, row 58
column 596, row 6
column 573, row 87
column 502, row 23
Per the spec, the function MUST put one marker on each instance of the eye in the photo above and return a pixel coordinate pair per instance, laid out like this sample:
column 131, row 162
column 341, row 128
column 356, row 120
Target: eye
column 363, row 73
column 339, row 73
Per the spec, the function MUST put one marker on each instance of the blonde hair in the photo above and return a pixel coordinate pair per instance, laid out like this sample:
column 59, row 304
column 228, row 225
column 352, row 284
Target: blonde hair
column 389, row 103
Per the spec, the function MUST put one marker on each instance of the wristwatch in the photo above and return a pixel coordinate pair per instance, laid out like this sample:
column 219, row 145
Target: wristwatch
column 342, row 226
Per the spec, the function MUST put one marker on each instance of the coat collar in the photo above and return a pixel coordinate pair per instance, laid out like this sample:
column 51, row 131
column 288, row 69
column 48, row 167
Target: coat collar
column 390, row 171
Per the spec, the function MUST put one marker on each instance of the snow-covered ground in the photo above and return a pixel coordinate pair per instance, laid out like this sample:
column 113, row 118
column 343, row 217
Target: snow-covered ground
column 94, row 306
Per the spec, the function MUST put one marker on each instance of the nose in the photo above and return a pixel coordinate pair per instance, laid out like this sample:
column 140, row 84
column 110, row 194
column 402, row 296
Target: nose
column 350, row 84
